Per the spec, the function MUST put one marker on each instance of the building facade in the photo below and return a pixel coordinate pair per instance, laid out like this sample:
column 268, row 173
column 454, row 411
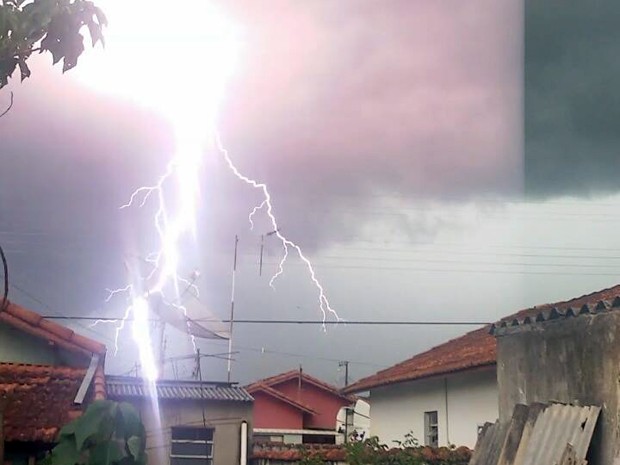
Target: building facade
column 437, row 411
column 48, row 376
column 294, row 407
column 190, row 422
column 441, row 396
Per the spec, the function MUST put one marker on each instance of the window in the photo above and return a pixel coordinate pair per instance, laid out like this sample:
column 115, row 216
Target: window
column 191, row 446
column 431, row 429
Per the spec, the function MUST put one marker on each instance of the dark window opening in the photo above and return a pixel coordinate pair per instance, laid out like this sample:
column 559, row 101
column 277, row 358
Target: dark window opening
column 191, row 446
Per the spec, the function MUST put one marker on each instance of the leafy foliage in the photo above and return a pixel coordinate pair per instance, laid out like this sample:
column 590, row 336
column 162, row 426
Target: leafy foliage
column 408, row 452
column 108, row 433
column 45, row 26
column 309, row 457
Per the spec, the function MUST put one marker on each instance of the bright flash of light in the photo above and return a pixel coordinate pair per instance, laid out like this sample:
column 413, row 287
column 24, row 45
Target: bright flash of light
column 176, row 60
column 140, row 327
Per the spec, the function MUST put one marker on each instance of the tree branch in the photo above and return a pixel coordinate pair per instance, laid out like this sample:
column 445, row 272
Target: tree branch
column 9, row 107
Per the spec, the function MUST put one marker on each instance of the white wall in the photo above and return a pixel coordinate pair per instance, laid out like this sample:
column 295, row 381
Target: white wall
column 361, row 418
column 471, row 400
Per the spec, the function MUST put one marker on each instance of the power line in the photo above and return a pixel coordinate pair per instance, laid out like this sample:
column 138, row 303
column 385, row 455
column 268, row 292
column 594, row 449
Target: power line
column 291, row 322
column 470, row 262
column 319, row 265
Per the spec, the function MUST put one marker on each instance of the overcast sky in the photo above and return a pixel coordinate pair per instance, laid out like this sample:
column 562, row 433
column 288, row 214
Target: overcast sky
column 392, row 141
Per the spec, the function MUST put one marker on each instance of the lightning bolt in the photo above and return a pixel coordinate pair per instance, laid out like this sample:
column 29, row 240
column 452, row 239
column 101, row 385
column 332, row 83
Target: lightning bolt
column 191, row 111
column 323, row 301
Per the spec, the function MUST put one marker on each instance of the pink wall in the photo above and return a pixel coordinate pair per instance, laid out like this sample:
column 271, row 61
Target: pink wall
column 324, row 403
column 273, row 413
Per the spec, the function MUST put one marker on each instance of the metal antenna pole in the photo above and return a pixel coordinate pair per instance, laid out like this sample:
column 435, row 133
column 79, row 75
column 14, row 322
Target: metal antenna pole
column 262, row 247
column 232, row 308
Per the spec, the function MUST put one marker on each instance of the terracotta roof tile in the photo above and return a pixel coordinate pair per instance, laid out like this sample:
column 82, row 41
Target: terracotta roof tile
column 473, row 350
column 294, row 374
column 32, row 323
column 258, row 387
column 38, row 400
column 292, row 452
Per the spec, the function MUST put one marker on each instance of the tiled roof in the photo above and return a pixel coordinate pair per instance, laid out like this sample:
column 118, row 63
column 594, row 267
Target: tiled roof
column 38, row 400
column 476, row 348
column 257, row 387
column 294, row 374
column 32, row 323
column 123, row 387
column 597, row 302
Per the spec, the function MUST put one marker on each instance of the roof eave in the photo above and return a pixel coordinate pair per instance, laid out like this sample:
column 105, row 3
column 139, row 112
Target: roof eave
column 359, row 387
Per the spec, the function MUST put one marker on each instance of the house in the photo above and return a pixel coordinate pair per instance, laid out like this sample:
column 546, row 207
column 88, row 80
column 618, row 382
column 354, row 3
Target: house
column 48, row 375
column 446, row 394
column 189, row 422
column 294, row 407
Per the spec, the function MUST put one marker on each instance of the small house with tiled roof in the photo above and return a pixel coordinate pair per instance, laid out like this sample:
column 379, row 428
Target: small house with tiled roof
column 445, row 394
column 48, row 375
column 294, row 407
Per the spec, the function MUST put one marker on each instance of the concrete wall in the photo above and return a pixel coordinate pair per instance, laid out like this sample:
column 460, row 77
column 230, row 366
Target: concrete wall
column 566, row 360
column 224, row 417
column 462, row 401
column 19, row 347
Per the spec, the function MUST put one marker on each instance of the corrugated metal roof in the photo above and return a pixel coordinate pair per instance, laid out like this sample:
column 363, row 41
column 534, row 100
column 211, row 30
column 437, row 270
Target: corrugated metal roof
column 124, row 387
column 537, row 435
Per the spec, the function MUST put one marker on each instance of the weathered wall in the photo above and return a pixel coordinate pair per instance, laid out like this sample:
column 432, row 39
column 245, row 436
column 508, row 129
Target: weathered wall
column 471, row 400
column 224, row 417
column 19, row 347
column 566, row 360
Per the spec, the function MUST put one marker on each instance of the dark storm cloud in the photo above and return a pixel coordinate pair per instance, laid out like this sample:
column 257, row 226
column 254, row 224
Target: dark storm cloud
column 337, row 101
column 572, row 97
column 68, row 160
column 332, row 104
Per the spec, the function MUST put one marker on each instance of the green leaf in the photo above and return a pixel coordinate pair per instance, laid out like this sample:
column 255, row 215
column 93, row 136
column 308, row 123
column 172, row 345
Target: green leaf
column 134, row 444
column 23, row 68
column 106, row 453
column 101, row 18
column 130, row 421
column 96, row 35
column 65, row 453
column 93, row 420
column 68, row 429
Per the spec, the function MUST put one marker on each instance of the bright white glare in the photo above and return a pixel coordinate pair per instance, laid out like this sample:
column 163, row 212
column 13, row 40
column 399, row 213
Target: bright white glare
column 141, row 335
column 173, row 57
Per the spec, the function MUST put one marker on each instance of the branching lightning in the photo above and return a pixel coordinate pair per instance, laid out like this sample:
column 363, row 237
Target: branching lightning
column 324, row 304
column 191, row 110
